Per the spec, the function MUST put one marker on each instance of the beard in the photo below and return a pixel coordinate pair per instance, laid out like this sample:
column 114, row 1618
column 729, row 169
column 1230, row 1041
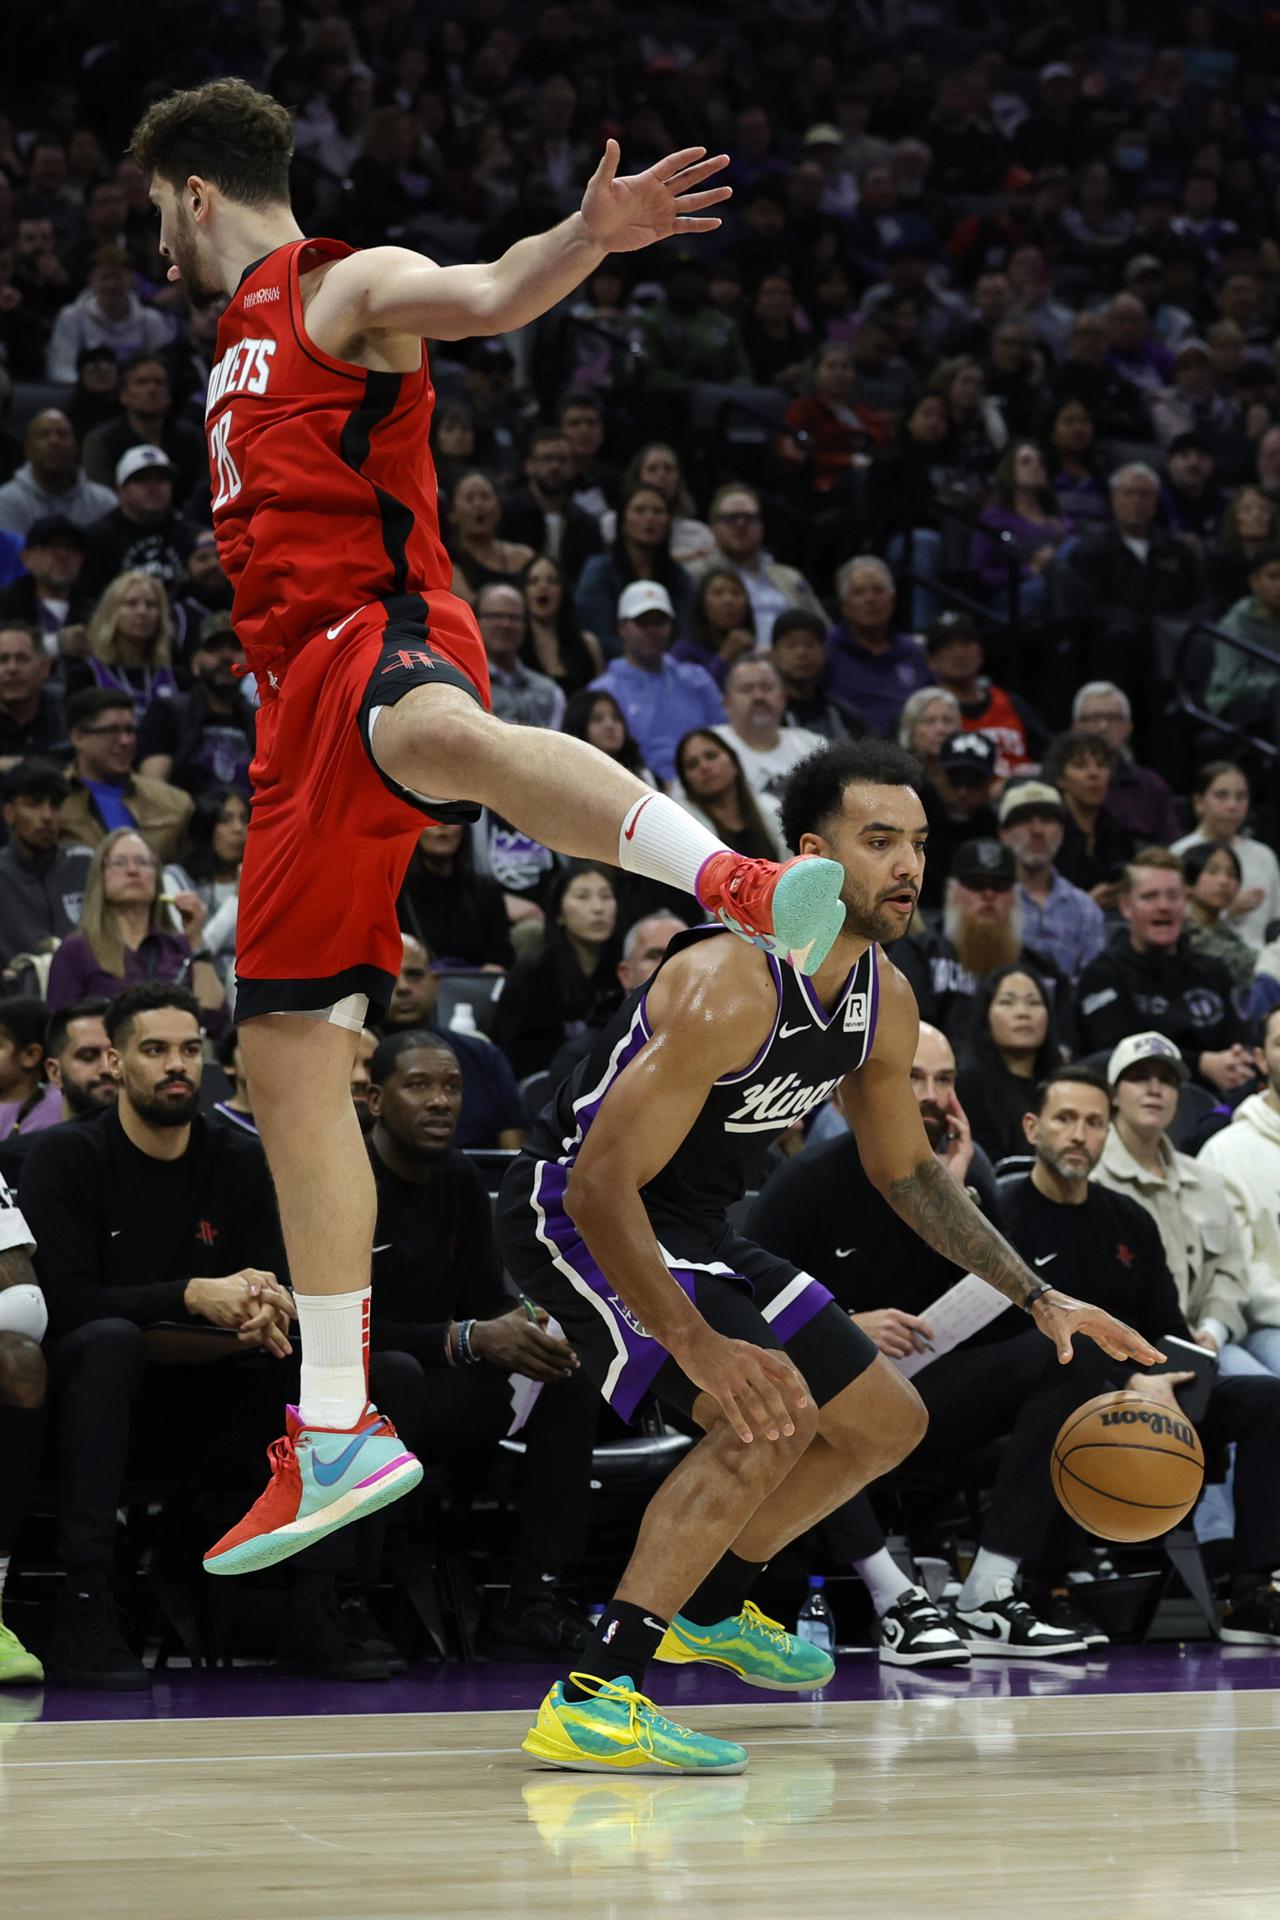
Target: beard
column 867, row 917
column 91, row 1099
column 935, row 1125
column 177, row 1109
column 197, row 286
column 1066, row 1169
column 983, row 945
column 216, row 593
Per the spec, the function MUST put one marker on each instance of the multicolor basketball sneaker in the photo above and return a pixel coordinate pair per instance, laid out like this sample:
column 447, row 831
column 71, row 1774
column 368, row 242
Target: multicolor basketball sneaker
column 759, row 1650
column 620, row 1731
column 793, row 911
column 322, row 1478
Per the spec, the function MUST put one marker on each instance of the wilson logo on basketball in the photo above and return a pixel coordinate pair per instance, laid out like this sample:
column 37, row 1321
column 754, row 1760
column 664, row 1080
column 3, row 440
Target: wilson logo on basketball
column 1158, row 1423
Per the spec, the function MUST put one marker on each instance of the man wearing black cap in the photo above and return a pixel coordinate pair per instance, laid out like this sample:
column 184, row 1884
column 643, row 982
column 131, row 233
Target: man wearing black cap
column 31, row 716
column 203, row 738
column 1190, row 501
column 49, row 596
column 955, row 653
column 981, row 930
column 958, row 805
column 41, row 883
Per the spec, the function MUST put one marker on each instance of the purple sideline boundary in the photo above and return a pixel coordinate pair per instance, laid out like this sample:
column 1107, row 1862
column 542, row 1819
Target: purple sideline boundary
column 1196, row 1666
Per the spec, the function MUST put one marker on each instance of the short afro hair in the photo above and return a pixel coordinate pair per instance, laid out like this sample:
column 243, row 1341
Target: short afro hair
column 814, row 790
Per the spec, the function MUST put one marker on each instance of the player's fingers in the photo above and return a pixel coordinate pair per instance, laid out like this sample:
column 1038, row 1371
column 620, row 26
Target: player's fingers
column 609, row 159
column 676, row 163
column 733, row 1414
column 755, row 1411
column 709, row 197
column 696, row 226
column 780, row 1421
column 695, row 175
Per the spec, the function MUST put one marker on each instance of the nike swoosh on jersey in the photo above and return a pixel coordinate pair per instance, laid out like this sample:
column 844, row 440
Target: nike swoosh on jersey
column 335, row 631
column 327, row 1471
column 785, row 1033
column 384, row 1247
column 1044, row 1259
column 842, row 1253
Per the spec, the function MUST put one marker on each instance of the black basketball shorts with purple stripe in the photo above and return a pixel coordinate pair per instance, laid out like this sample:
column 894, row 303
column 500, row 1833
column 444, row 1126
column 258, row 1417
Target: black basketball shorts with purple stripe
column 739, row 1289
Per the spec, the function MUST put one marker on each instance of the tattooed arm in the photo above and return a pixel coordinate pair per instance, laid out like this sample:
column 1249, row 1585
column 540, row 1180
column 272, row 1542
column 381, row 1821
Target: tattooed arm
column 882, row 1110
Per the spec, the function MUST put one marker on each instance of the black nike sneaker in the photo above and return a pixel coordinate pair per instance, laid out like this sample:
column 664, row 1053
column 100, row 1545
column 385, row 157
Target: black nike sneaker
column 915, row 1633
column 1005, row 1628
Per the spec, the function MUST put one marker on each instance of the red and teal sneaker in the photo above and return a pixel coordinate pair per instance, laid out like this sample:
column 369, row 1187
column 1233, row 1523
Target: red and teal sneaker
column 322, row 1478
column 793, row 911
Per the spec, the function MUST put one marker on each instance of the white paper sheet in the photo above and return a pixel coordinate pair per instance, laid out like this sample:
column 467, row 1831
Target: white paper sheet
column 962, row 1310
column 524, row 1391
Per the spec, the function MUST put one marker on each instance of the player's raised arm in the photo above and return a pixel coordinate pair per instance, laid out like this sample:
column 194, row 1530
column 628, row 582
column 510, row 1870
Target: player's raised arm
column 711, row 1011
column 393, row 290
column 900, row 1162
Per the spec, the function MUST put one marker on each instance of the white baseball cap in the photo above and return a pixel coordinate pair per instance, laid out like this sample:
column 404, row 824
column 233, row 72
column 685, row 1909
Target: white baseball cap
column 644, row 596
column 141, row 460
column 1145, row 1046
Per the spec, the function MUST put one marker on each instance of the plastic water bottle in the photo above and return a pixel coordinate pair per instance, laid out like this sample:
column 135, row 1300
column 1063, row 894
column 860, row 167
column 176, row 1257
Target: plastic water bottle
column 463, row 1019
column 814, row 1622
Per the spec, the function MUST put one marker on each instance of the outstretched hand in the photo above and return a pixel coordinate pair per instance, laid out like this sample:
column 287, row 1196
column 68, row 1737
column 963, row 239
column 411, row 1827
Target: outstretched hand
column 1060, row 1318
column 625, row 214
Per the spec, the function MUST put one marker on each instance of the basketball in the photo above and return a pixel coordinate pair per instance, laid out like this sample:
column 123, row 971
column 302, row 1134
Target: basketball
column 1126, row 1468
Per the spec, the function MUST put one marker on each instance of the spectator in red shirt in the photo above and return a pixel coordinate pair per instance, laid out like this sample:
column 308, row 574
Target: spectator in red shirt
column 827, row 414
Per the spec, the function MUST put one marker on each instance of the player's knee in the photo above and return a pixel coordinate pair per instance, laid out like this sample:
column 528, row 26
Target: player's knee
column 433, row 739
column 22, row 1371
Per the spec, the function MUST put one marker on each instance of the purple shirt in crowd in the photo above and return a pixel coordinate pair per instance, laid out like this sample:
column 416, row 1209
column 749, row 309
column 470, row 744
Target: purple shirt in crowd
column 46, row 1112
column 1140, row 800
column 875, row 685
column 76, row 971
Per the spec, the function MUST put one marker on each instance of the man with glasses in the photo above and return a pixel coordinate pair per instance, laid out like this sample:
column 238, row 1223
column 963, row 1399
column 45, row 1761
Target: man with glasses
column 520, row 695
column 1137, row 796
column 105, row 791
column 738, row 526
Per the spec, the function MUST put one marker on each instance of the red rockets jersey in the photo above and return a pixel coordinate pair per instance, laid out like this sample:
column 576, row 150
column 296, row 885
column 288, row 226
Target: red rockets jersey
column 324, row 490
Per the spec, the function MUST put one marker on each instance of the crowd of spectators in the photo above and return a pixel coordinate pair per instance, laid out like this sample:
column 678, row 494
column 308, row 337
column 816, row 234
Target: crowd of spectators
column 964, row 430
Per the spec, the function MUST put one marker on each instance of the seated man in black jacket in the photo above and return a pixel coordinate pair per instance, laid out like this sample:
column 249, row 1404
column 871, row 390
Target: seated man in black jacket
column 492, row 1110
column 1126, row 577
column 446, row 1336
column 1106, row 1249
column 822, row 1213
column 157, row 1239
column 1150, row 977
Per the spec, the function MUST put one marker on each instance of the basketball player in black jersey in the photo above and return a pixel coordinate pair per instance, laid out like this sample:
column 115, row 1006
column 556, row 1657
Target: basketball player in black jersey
column 614, row 1218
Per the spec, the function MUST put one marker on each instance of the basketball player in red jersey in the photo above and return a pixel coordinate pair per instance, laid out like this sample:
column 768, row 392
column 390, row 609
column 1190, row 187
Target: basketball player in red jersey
column 375, row 697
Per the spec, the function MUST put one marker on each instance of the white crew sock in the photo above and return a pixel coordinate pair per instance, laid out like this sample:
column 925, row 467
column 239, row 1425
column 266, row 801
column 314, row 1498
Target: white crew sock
column 334, row 1330
column 883, row 1578
column 660, row 839
column 985, row 1575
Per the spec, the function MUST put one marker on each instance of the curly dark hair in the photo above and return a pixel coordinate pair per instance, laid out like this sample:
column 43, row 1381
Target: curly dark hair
column 814, row 790
column 226, row 132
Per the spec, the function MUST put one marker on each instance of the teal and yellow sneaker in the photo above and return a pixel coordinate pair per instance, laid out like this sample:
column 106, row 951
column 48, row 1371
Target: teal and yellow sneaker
column 759, row 1650
column 322, row 1478
column 618, row 1731
column 18, row 1668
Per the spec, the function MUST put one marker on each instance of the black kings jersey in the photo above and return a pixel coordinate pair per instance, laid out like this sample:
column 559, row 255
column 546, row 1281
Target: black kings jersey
column 803, row 1060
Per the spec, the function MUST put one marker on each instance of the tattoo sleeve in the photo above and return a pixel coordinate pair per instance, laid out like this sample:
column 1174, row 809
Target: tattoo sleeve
column 931, row 1202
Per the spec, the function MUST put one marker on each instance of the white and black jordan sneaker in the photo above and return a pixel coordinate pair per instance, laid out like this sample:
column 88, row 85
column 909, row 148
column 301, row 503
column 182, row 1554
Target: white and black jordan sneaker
column 914, row 1633
column 1005, row 1628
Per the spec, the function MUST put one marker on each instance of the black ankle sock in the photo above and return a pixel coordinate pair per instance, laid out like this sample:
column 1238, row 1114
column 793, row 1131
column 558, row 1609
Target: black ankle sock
column 722, row 1592
column 624, row 1644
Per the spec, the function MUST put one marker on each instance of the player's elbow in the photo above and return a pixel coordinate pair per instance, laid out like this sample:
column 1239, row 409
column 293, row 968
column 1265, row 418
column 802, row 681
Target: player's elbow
column 583, row 1199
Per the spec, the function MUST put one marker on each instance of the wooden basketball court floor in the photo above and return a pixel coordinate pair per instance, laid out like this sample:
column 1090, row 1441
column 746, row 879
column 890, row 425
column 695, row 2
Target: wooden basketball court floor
column 989, row 1798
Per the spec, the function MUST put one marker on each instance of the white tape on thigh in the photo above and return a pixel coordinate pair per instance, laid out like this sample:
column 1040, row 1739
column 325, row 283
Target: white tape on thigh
column 22, row 1310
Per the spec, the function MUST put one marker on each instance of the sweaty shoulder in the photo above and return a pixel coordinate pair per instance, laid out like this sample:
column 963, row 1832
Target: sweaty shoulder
column 720, row 996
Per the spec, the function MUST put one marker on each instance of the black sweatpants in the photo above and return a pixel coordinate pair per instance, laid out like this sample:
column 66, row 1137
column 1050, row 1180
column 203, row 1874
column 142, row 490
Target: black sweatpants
column 455, row 1416
column 207, row 1426
column 1017, row 1387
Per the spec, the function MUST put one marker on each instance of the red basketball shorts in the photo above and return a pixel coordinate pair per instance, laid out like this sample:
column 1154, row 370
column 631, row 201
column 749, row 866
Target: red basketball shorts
column 331, row 835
